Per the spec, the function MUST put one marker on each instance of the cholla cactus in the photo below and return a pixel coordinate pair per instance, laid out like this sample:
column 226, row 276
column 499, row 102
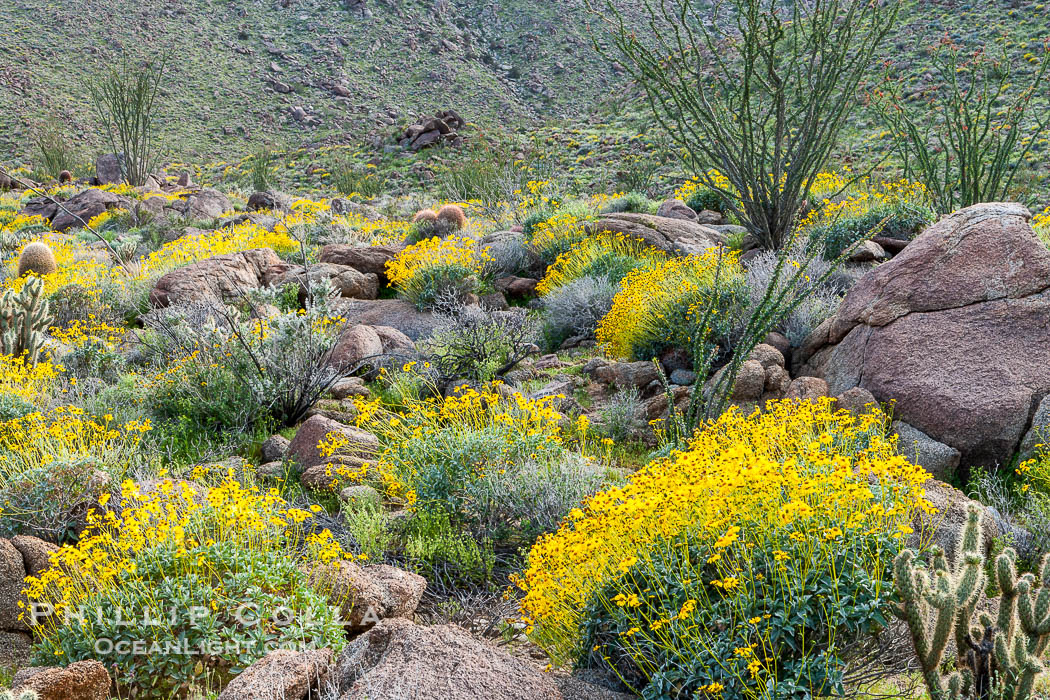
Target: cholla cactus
column 939, row 602
column 24, row 318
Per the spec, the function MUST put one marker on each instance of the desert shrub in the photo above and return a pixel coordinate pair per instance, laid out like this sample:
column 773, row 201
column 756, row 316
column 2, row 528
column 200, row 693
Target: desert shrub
column 498, row 467
column 631, row 202
column 13, row 407
column 433, row 545
column 659, row 305
column 124, row 100
column 478, row 344
column 975, row 126
column 821, row 297
column 357, row 182
column 749, row 563
column 55, row 465
column 431, row 269
column 509, row 255
column 369, row 525
column 93, row 349
column 226, row 371
column 575, row 308
column 261, row 167
column 607, row 255
column 622, row 416
column 56, row 153
column 771, row 62
column 536, row 218
column 556, row 236
column 1020, row 503
column 894, row 210
column 700, row 198
column 183, row 566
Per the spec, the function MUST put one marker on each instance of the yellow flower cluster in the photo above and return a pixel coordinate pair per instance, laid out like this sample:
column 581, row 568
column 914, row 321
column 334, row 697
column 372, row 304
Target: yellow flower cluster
column 642, row 310
column 587, row 257
column 80, row 332
column 796, row 470
column 434, row 253
column 860, row 198
column 690, row 187
column 66, row 434
column 557, row 235
column 33, row 383
column 466, row 412
column 168, row 515
column 1041, row 225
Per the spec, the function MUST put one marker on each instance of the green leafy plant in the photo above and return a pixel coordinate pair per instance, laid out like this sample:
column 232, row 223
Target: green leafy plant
column 758, row 90
column 56, row 153
column 968, row 136
column 124, row 100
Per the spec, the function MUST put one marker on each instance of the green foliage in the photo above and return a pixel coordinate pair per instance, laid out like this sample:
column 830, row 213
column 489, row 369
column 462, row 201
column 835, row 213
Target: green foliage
column 50, row 501
column 535, row 217
column 370, row 527
column 432, row 543
column 792, row 70
column 162, row 604
column 707, row 198
column 353, row 181
column 973, row 128
column 24, row 320
column 261, row 167
column 124, row 101
column 939, row 602
column 56, row 153
column 632, row 202
column 900, row 220
column 13, row 407
column 792, row 637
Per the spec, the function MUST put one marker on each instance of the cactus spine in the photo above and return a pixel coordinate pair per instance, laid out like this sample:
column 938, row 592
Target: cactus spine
column 938, row 601
column 24, row 318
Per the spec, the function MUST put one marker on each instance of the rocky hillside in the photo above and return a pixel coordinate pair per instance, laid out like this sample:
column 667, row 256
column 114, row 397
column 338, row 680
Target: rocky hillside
column 301, row 71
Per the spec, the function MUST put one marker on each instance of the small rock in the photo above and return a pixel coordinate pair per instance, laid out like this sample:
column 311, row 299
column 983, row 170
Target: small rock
column 767, row 355
column 361, row 494
column 807, row 389
column 367, row 594
column 274, row 448
column 857, row 400
column 283, row 674
column 868, row 251
column 304, row 446
column 683, row 377
column 82, row 680
column 676, row 209
column 936, row 457
column 750, row 381
column 441, row 662
column 349, row 387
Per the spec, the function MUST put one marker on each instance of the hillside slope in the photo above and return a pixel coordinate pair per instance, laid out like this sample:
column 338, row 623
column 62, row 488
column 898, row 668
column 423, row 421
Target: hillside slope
column 240, row 66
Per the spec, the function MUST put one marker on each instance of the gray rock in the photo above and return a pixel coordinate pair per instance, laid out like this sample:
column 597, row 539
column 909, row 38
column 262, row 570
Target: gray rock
column 683, row 377
column 936, row 457
column 274, row 448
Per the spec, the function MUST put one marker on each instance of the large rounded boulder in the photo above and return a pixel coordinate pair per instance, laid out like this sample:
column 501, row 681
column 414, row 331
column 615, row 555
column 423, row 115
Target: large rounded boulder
column 954, row 330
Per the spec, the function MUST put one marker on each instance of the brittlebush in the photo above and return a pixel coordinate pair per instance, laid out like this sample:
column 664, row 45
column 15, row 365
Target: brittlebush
column 608, row 255
column 180, row 566
column 745, row 523
column 423, row 271
column 661, row 305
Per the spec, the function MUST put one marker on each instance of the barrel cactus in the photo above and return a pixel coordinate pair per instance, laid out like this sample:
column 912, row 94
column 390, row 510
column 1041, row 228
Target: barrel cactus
column 38, row 258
